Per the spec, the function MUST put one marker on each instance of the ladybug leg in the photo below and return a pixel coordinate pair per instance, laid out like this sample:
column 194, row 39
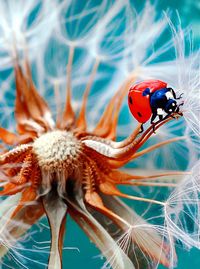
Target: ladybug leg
column 141, row 129
column 152, row 119
column 160, row 117
column 153, row 116
column 154, row 130
column 177, row 109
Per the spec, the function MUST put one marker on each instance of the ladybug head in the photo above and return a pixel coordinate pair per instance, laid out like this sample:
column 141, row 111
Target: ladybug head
column 171, row 106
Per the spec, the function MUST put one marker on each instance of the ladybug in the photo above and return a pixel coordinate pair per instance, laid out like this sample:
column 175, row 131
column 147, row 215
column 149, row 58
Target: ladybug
column 152, row 98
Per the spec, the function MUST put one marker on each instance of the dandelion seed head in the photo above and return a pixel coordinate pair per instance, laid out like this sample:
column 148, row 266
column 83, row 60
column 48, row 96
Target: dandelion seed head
column 56, row 147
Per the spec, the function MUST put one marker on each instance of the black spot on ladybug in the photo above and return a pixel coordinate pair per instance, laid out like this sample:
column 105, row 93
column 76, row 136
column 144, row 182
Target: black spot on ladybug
column 130, row 100
column 146, row 92
column 139, row 114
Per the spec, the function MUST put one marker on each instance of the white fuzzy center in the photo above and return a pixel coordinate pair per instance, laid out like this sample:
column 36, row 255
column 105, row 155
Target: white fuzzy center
column 55, row 148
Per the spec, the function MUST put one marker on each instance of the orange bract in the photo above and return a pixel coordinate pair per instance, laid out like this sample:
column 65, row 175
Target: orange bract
column 60, row 161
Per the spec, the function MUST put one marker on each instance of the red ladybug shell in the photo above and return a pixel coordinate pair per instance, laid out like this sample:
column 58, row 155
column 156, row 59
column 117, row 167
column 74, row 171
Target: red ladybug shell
column 139, row 105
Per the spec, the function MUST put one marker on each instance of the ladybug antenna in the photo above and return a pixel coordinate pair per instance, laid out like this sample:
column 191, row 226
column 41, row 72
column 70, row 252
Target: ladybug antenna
column 146, row 92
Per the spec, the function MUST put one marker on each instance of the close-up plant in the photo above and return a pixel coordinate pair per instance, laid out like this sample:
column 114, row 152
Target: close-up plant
column 100, row 108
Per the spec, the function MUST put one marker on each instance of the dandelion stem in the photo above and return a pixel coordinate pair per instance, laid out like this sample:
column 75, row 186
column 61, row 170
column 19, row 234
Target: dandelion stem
column 136, row 198
column 147, row 183
column 81, row 121
column 110, row 189
column 149, row 149
column 57, row 101
column 56, row 211
column 69, row 115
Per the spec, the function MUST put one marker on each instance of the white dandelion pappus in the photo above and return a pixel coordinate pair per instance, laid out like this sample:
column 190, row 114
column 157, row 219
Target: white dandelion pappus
column 24, row 24
column 187, row 80
column 182, row 210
